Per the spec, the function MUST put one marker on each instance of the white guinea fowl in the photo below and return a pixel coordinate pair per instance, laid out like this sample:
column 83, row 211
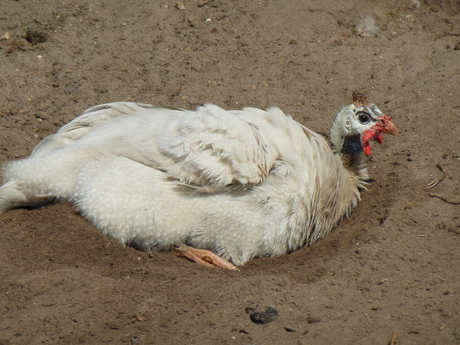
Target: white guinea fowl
column 242, row 184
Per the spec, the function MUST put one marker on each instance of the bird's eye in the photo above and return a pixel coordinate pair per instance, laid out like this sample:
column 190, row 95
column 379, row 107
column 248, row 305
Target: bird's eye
column 364, row 117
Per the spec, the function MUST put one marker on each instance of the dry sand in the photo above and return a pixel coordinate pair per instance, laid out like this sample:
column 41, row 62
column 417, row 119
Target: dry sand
column 389, row 274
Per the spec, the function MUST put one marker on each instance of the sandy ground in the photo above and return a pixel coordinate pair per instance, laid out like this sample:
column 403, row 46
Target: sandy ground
column 389, row 274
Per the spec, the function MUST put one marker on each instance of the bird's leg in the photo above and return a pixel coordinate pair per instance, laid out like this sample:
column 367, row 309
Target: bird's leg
column 204, row 257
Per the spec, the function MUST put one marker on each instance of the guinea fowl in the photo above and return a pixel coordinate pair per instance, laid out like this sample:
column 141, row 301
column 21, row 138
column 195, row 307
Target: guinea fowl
column 240, row 184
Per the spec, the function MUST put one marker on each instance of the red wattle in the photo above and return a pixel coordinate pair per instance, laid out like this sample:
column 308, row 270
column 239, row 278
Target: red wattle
column 367, row 135
column 367, row 148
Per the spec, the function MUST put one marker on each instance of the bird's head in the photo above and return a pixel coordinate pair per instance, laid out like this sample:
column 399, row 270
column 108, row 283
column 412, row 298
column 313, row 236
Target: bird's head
column 356, row 124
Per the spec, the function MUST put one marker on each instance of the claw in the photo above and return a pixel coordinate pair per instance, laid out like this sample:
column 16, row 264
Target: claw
column 204, row 257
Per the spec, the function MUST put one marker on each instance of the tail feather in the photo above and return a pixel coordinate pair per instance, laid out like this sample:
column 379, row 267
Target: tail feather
column 12, row 197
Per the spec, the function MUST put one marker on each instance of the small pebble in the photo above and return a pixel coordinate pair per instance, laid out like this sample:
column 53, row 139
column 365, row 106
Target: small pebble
column 454, row 230
column 312, row 319
column 141, row 318
column 180, row 6
column 414, row 4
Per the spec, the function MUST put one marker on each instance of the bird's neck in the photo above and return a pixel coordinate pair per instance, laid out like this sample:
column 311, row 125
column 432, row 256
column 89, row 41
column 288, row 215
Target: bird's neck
column 351, row 145
column 350, row 150
column 356, row 166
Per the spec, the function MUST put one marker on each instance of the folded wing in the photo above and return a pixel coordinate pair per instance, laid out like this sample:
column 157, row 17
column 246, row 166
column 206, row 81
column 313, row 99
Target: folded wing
column 210, row 148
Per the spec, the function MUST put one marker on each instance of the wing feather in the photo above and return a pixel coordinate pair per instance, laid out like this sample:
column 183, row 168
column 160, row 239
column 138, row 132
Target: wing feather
column 90, row 119
column 99, row 115
column 210, row 148
column 217, row 148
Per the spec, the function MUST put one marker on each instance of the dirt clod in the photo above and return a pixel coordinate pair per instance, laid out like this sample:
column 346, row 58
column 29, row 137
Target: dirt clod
column 262, row 315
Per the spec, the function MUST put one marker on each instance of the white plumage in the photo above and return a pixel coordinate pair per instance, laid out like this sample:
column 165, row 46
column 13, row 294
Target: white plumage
column 243, row 184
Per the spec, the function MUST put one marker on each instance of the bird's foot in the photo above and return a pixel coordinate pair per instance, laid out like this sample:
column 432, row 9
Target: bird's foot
column 204, row 257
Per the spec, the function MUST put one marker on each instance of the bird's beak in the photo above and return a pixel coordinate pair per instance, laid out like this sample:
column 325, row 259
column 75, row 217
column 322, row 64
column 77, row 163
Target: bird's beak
column 386, row 126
